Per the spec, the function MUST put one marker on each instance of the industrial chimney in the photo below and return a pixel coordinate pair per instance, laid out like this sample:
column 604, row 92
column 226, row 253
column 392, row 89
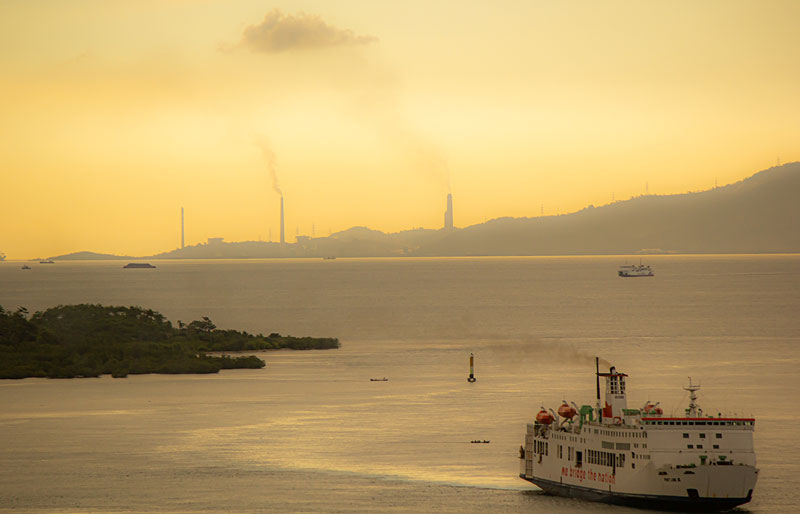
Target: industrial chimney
column 448, row 214
column 182, row 228
column 283, row 238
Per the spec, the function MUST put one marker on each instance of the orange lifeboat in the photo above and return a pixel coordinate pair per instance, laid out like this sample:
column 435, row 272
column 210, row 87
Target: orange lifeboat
column 544, row 417
column 567, row 411
column 653, row 409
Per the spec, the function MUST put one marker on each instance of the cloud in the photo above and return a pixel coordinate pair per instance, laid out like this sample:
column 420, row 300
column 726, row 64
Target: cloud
column 281, row 33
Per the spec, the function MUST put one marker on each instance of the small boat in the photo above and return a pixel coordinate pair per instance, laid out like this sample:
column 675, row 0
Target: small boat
column 138, row 265
column 384, row 379
column 25, row 266
column 46, row 262
column 635, row 270
column 478, row 441
column 328, row 258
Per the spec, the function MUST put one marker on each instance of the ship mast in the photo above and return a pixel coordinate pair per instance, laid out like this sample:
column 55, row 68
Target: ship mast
column 692, row 410
column 597, row 379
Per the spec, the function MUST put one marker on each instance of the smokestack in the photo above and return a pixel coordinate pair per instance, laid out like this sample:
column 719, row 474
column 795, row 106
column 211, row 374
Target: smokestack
column 182, row 227
column 283, row 237
column 448, row 214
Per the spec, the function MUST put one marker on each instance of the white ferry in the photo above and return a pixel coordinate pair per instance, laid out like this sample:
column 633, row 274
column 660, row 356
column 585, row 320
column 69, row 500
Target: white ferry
column 640, row 457
column 635, row 270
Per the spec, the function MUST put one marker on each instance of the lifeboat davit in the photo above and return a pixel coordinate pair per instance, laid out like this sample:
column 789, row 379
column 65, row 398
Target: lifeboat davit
column 544, row 417
column 567, row 411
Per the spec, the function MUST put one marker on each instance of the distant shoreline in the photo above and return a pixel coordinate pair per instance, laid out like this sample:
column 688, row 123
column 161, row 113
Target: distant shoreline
column 412, row 257
column 754, row 216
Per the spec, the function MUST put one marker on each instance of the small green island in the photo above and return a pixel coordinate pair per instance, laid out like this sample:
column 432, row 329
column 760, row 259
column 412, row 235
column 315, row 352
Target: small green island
column 71, row 341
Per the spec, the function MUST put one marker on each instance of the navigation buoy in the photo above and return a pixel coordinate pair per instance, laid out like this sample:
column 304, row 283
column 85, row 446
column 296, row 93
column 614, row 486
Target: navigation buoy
column 471, row 368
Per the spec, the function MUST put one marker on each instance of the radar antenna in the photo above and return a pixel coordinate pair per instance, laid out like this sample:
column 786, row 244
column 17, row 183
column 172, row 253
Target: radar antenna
column 693, row 388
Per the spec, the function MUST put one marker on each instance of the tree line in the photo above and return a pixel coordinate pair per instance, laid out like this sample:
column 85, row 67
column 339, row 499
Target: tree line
column 88, row 340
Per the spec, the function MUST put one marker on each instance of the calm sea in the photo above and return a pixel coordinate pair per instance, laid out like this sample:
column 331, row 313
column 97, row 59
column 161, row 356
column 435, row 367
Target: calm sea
column 310, row 432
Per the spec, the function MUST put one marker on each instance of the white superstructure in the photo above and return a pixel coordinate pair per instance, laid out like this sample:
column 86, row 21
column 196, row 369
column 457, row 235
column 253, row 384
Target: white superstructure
column 641, row 457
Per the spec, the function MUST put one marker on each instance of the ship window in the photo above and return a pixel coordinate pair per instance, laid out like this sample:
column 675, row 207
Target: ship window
column 719, row 436
column 686, row 436
column 690, row 446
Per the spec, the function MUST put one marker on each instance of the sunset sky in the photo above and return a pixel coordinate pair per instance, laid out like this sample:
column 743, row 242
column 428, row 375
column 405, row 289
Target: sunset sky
column 117, row 114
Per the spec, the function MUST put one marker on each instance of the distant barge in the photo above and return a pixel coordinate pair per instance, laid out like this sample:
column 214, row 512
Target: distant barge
column 138, row 265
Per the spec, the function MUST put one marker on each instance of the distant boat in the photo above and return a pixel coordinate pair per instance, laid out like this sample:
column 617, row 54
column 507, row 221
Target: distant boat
column 25, row 266
column 46, row 262
column 328, row 258
column 384, row 379
column 138, row 265
column 635, row 270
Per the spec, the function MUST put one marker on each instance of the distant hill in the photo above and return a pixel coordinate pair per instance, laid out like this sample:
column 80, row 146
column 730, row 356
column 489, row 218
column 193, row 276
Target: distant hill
column 88, row 256
column 760, row 214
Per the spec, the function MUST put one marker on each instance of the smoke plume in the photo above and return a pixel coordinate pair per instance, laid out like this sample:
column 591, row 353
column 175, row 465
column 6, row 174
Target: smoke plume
column 380, row 107
column 269, row 157
column 532, row 351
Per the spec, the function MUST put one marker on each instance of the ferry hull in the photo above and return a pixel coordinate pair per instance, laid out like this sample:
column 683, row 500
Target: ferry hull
column 659, row 502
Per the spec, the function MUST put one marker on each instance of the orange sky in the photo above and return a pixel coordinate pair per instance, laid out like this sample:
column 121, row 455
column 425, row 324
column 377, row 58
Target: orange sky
column 116, row 114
